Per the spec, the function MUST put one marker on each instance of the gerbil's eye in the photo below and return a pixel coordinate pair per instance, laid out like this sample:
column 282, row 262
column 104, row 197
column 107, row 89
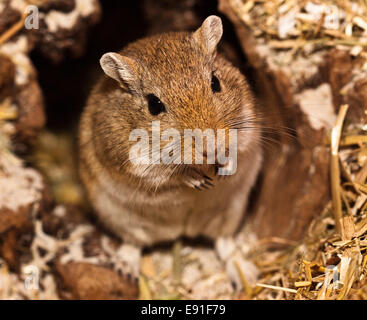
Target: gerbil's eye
column 155, row 105
column 215, row 84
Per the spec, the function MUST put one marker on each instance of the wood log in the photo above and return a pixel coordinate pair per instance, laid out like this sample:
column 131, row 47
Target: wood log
column 303, row 94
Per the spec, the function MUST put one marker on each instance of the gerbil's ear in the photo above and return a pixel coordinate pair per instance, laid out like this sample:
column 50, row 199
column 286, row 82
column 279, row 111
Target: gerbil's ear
column 120, row 68
column 210, row 33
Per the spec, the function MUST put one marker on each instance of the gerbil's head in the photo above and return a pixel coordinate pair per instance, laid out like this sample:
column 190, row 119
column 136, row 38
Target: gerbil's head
column 179, row 80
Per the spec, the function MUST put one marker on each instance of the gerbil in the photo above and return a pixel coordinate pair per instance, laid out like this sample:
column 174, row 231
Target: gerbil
column 180, row 80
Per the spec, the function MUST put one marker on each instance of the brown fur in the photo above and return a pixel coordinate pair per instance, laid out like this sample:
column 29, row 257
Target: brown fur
column 155, row 204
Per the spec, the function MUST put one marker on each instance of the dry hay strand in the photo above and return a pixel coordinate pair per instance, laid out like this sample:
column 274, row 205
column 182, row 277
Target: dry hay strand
column 289, row 24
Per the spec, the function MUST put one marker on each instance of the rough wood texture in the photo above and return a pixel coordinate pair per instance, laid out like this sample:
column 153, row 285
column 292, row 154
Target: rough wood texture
column 295, row 181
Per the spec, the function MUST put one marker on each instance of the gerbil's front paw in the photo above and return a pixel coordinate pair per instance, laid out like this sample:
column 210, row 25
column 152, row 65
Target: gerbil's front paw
column 129, row 260
column 235, row 263
column 198, row 181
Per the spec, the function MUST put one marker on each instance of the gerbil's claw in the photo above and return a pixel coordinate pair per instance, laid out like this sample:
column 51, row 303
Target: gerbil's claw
column 199, row 182
column 206, row 184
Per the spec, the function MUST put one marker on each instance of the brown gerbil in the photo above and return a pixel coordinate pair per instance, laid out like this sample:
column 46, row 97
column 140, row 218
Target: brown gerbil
column 180, row 80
